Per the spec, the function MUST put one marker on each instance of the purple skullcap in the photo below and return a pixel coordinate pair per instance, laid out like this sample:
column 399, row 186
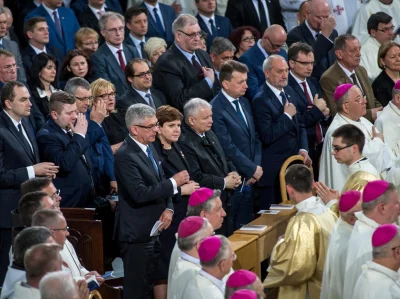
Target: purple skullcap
column 199, row 196
column 189, row 226
column 244, row 294
column 241, row 278
column 209, row 248
column 384, row 234
column 348, row 200
column 374, row 189
column 397, row 85
column 341, row 90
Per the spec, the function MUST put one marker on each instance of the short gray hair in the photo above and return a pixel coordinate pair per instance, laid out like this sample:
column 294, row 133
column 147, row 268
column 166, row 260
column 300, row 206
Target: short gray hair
column 193, row 105
column 74, row 83
column 108, row 16
column 221, row 255
column 267, row 64
column 220, row 45
column 384, row 198
column 207, row 205
column 137, row 113
column 153, row 44
column 46, row 218
column 58, row 285
column 42, row 259
column 186, row 244
column 182, row 21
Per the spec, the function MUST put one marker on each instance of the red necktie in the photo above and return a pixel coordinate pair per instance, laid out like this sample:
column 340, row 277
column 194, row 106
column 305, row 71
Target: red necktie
column 121, row 60
column 318, row 129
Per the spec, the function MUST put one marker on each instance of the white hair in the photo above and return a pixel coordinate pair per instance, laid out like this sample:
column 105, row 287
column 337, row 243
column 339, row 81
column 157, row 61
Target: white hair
column 193, row 106
column 137, row 113
column 57, row 285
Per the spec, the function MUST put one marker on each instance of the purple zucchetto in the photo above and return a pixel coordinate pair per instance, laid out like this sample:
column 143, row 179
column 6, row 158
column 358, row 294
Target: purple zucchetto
column 190, row 226
column 199, row 196
column 241, row 278
column 374, row 189
column 341, row 90
column 384, row 234
column 209, row 248
column 348, row 200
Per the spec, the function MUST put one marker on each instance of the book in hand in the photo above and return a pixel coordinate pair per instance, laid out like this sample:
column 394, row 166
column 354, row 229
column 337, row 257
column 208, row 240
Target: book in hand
column 281, row 207
column 92, row 283
column 266, row 212
column 253, row 227
column 154, row 231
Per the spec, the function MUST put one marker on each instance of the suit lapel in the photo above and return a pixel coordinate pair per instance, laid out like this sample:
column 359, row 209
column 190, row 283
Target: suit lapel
column 51, row 23
column 178, row 149
column 229, row 108
column 151, row 20
column 307, row 34
column 28, row 129
column 143, row 156
column 114, row 63
column 203, row 25
column 342, row 74
column 189, row 65
column 275, row 101
column 252, row 9
column 360, row 78
column 297, row 88
column 168, row 29
column 157, row 101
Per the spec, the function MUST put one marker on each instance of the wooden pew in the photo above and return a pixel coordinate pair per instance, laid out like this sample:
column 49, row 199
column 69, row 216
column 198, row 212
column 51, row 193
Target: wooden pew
column 245, row 247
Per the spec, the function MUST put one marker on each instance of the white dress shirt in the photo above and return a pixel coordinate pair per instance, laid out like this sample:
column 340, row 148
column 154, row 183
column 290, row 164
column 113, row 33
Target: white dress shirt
column 137, row 42
column 96, row 11
column 143, row 94
column 50, row 12
column 150, row 9
column 37, row 50
column 114, row 51
column 348, row 74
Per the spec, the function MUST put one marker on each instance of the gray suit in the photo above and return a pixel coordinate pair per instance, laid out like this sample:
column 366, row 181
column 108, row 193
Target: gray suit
column 12, row 47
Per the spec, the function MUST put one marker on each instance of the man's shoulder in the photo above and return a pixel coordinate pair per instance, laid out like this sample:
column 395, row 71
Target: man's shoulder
column 166, row 8
column 249, row 54
column 331, row 73
column 297, row 31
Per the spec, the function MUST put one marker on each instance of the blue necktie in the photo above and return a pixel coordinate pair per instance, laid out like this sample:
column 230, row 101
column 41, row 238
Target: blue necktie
column 158, row 22
column 142, row 50
column 325, row 57
column 151, row 158
column 284, row 99
column 213, row 29
column 239, row 113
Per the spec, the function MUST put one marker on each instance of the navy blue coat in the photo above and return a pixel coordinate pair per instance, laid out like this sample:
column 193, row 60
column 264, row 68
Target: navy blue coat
column 79, row 6
column 223, row 27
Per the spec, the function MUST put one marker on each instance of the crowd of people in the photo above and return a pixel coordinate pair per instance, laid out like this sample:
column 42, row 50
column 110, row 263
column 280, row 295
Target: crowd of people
column 173, row 118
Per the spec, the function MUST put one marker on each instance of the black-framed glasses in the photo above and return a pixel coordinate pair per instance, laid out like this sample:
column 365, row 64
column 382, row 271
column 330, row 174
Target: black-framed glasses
column 107, row 95
column 143, row 75
column 338, row 149
column 305, row 63
column 65, row 229
column 85, row 99
column 192, row 35
column 55, row 194
column 249, row 39
column 148, row 127
column 386, row 29
column 274, row 46
column 394, row 248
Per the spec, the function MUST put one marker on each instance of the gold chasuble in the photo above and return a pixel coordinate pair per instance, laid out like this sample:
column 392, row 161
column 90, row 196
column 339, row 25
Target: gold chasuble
column 358, row 180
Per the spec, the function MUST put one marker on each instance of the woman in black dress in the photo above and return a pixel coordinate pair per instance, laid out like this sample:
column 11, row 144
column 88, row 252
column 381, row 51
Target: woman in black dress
column 172, row 161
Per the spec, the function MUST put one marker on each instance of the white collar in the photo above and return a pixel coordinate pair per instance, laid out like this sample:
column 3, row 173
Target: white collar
column 394, row 107
column 142, row 93
column 308, row 203
column 313, row 32
column 276, row 91
column 141, row 145
column 346, row 71
column 49, row 10
column 297, row 79
column 37, row 50
column 219, row 283
column 262, row 49
column 137, row 41
column 95, row 10
column 190, row 259
column 365, row 220
column 42, row 93
column 13, row 120
column 151, row 7
column 115, row 49
column 207, row 19
column 358, row 161
column 229, row 98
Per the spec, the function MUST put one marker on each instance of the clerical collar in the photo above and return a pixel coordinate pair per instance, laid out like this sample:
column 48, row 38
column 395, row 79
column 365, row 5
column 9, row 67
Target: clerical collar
column 366, row 220
column 359, row 160
column 190, row 259
column 219, row 283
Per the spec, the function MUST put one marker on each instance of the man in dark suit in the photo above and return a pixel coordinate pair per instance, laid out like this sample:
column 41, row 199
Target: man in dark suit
column 183, row 71
column 144, row 195
column 110, row 60
column 318, row 30
column 258, row 14
column 19, row 159
column 210, row 23
column 160, row 19
column 79, row 6
column 24, row 10
column 312, row 107
column 62, row 140
column 137, row 22
column 272, row 41
column 208, row 164
column 280, row 128
column 91, row 15
column 234, row 126
column 62, row 24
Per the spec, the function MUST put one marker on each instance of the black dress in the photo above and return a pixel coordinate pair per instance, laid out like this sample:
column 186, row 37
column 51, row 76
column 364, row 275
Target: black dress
column 383, row 87
column 115, row 128
column 172, row 162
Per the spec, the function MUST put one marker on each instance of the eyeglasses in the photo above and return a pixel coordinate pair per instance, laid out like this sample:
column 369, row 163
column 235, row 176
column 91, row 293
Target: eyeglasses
column 249, row 39
column 305, row 63
column 10, row 67
column 115, row 30
column 386, row 29
column 394, row 248
column 192, row 35
column 91, row 43
column 338, row 149
column 106, row 95
column 143, row 75
column 357, row 101
column 274, row 46
column 55, row 194
column 85, row 99
column 149, row 127
column 61, row 229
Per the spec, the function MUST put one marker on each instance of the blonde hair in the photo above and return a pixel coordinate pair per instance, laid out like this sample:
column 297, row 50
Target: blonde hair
column 100, row 85
column 84, row 33
column 153, row 44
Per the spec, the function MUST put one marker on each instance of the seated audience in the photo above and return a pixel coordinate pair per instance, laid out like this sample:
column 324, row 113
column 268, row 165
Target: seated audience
column 243, row 279
column 38, row 261
column 76, row 64
column 221, row 50
column 137, row 22
column 43, row 81
column 60, row 285
column 154, row 48
column 389, row 63
column 243, row 38
column 87, row 40
column 32, row 202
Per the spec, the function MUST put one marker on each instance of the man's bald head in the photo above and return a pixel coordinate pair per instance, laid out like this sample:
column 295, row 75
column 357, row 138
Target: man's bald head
column 273, row 39
column 317, row 11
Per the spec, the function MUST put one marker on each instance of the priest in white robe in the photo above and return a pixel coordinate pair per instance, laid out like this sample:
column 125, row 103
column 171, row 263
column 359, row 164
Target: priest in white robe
column 243, row 279
column 345, row 13
column 298, row 259
column 335, row 264
column 391, row 7
column 380, row 277
column 351, row 107
column 380, row 205
column 191, row 231
column 216, row 259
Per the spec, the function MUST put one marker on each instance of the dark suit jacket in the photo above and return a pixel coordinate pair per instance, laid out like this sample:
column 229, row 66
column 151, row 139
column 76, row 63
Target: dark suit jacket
column 143, row 194
column 115, row 128
column 322, row 47
column 14, row 158
column 69, row 25
column 222, row 25
column 243, row 13
column 131, row 97
column 106, row 66
column 240, row 143
column 383, row 87
column 74, row 176
column 12, row 46
column 281, row 136
column 335, row 76
column 178, row 79
column 25, row 9
column 128, row 41
column 88, row 19
column 79, row 6
column 254, row 60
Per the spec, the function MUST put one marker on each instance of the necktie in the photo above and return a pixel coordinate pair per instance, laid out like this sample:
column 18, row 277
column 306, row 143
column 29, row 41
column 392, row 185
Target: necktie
column 213, row 29
column 70, row 135
column 263, row 16
column 158, row 22
column 142, row 50
column 283, row 97
column 198, row 68
column 318, row 130
column 239, row 113
column 99, row 13
column 121, row 60
column 57, row 22
column 1, row 46
column 150, row 100
column 325, row 57
column 151, row 158
column 355, row 82
column 22, row 138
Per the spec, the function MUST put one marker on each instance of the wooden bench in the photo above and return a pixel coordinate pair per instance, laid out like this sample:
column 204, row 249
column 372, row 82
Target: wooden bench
column 245, row 247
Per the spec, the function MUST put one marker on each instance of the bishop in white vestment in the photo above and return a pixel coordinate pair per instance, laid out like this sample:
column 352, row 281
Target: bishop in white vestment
column 243, row 279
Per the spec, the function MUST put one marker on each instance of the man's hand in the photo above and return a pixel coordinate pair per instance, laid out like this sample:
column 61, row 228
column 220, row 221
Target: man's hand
column 80, row 126
column 377, row 134
column 99, row 279
column 165, row 217
column 181, row 178
column 189, row 188
column 177, row 7
column 320, row 103
column 307, row 161
column 230, row 182
column 83, row 291
column 290, row 109
column 113, row 187
column 45, row 169
column 328, row 25
column 326, row 112
column 209, row 73
column 250, row 181
column 99, row 112
column 113, row 205
column 374, row 112
column 258, row 173
column 326, row 194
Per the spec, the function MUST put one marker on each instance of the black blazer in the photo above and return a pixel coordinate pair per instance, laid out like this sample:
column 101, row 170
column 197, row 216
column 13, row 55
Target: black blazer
column 383, row 87
column 143, row 194
column 115, row 128
column 131, row 97
column 14, row 158
column 41, row 103
column 322, row 47
column 178, row 79
column 243, row 13
column 88, row 19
